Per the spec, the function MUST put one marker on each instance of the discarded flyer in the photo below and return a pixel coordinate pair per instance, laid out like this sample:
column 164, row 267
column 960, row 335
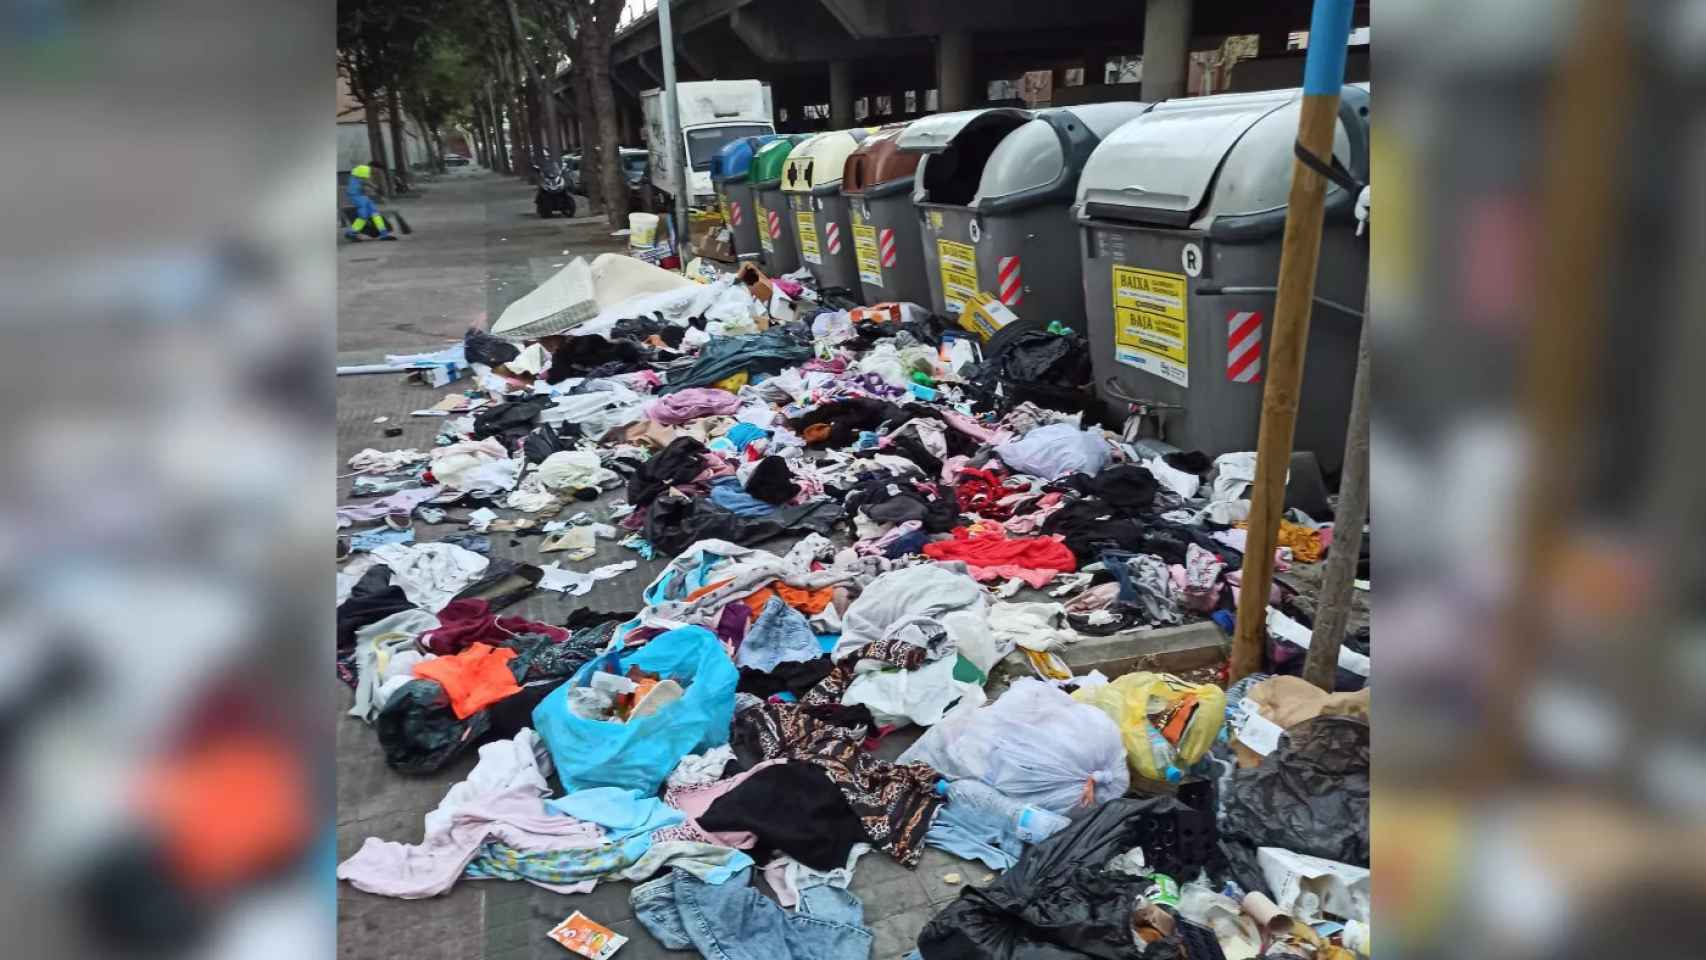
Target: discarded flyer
column 580, row 935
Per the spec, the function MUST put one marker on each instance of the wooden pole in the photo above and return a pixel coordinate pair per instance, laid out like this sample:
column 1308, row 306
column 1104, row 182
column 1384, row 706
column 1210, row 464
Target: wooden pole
column 1323, row 74
column 1333, row 609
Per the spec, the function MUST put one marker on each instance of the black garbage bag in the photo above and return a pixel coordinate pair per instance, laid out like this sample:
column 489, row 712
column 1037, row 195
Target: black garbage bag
column 1047, row 369
column 509, row 421
column 484, row 348
column 549, row 439
column 1310, row 796
column 1057, row 902
column 589, row 355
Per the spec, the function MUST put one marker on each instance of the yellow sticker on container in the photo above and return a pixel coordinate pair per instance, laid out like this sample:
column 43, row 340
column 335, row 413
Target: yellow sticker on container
column 865, row 250
column 766, row 238
column 807, row 222
column 959, row 274
column 1151, row 328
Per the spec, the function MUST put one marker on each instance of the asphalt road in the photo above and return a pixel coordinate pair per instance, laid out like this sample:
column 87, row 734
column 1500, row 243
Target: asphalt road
column 477, row 246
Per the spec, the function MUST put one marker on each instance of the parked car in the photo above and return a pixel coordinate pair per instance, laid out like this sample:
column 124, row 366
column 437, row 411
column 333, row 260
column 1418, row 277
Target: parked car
column 636, row 168
column 456, row 160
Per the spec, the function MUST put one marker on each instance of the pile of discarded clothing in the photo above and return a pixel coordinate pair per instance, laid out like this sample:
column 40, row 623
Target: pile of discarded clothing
column 853, row 527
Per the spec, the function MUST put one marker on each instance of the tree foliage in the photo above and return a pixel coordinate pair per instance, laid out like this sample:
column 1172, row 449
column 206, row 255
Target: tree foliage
column 453, row 61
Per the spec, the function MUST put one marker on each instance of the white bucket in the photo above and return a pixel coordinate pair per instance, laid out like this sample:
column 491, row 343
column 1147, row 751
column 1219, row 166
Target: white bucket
column 642, row 230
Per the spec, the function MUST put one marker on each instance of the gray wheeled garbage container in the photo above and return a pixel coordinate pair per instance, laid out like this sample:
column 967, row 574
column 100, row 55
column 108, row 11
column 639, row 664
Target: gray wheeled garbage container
column 886, row 240
column 730, row 177
column 812, row 184
column 1181, row 215
column 775, row 238
column 993, row 196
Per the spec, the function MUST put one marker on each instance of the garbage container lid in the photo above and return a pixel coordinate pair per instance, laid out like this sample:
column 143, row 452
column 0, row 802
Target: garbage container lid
column 1048, row 151
column 768, row 161
column 734, row 161
column 878, row 165
column 1219, row 156
column 819, row 161
column 934, row 134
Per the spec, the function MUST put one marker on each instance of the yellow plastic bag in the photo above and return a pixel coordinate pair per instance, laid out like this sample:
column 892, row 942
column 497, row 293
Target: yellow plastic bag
column 1130, row 700
column 734, row 383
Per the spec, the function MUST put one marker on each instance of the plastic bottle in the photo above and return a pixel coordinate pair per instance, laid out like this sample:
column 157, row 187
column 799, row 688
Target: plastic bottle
column 1029, row 823
column 1163, row 753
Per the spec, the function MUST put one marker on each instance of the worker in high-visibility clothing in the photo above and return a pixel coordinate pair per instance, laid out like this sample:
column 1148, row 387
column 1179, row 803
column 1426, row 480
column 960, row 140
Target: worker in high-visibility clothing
column 356, row 192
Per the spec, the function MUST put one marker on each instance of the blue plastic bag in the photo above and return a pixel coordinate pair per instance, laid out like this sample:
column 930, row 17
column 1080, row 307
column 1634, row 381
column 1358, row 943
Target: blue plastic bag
column 640, row 754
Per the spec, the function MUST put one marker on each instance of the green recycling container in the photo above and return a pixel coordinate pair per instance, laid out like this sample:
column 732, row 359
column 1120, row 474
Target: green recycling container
column 780, row 252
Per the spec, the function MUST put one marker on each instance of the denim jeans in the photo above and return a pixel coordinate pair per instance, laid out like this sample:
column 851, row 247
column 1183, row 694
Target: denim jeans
column 732, row 921
column 969, row 834
column 780, row 634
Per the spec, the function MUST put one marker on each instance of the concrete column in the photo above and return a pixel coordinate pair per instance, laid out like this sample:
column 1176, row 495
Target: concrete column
column 840, row 94
column 954, row 74
column 1166, row 48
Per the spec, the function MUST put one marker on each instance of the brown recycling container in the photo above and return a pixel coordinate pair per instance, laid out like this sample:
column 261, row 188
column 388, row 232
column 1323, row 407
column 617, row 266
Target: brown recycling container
column 887, row 243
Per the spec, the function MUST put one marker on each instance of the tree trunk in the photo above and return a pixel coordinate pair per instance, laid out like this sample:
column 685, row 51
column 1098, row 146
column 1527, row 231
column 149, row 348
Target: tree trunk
column 1338, row 581
column 399, row 142
column 588, row 122
column 500, row 159
column 435, row 149
column 519, row 124
column 512, row 130
column 521, row 130
column 375, row 142
column 552, row 142
column 604, row 105
column 536, row 125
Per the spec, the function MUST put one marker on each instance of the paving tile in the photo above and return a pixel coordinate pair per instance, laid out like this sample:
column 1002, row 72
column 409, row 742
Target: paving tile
column 897, row 936
column 643, row 946
column 890, row 896
column 607, row 903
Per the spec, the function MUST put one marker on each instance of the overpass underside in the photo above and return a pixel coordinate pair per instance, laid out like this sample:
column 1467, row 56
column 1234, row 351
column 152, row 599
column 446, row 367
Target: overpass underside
column 834, row 63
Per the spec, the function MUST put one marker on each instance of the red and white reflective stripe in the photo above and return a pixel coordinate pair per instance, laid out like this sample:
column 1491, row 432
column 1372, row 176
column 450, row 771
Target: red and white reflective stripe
column 1244, row 347
column 1009, row 284
column 734, row 213
column 775, row 224
column 832, row 236
column 885, row 246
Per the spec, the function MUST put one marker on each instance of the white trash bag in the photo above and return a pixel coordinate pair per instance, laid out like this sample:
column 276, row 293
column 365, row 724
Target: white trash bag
column 1035, row 744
